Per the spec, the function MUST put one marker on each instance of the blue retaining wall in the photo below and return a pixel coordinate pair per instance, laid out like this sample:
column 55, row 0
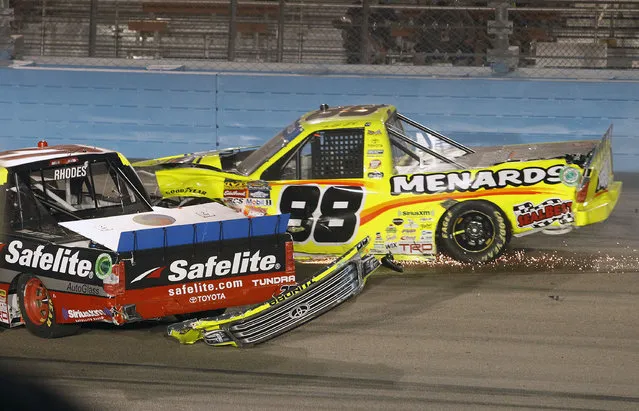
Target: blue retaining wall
column 147, row 114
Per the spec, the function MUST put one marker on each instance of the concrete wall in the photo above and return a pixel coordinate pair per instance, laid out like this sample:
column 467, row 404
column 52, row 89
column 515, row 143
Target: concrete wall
column 148, row 114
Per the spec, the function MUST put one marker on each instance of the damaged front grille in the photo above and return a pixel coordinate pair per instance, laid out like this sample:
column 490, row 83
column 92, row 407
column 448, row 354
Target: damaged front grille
column 309, row 303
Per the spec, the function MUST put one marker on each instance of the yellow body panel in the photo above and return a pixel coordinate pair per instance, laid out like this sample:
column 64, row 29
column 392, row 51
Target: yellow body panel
column 400, row 212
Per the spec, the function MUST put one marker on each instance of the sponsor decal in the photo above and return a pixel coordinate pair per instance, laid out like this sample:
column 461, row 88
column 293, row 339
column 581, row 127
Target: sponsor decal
column 259, row 202
column 273, row 280
column 416, row 248
column 570, row 176
column 70, row 172
column 83, row 289
column 103, row 266
column 202, row 288
column 185, row 190
column 374, row 152
column 291, row 292
column 483, row 179
column 375, row 163
column 235, row 193
column 604, row 175
column 259, row 194
column 398, row 221
column 234, row 201
column 420, row 213
column 258, row 184
column 207, row 298
column 63, row 260
column 4, row 308
column 544, row 214
column 85, row 315
column 410, row 223
column 242, row 262
column 234, row 185
column 372, row 133
column 154, row 219
column 375, row 174
column 285, row 288
column 391, row 229
column 299, row 311
column 426, row 235
column 252, row 211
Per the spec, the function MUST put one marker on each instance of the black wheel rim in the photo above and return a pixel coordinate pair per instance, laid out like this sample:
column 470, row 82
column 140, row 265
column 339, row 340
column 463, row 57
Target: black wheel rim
column 474, row 231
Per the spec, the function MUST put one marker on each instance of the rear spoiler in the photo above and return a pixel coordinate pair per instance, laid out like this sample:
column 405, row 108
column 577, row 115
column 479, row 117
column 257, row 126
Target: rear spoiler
column 598, row 169
column 333, row 285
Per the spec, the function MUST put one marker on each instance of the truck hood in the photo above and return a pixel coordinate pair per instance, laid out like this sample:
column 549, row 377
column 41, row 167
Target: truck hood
column 220, row 159
column 168, row 227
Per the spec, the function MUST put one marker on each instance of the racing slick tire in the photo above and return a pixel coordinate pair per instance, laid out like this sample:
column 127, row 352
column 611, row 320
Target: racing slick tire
column 37, row 310
column 474, row 232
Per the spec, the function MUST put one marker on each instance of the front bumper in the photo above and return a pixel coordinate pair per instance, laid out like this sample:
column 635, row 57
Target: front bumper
column 327, row 289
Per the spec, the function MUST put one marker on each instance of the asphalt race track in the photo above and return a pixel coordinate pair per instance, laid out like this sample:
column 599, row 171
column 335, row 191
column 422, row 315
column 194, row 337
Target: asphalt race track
column 553, row 325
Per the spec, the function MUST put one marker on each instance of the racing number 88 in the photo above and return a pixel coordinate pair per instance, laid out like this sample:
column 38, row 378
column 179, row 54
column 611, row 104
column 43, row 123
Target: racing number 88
column 338, row 207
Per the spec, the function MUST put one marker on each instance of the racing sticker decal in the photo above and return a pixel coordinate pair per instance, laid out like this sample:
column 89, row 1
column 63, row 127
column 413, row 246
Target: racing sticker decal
column 184, row 190
column 259, row 190
column 375, row 163
column 225, row 260
column 408, row 247
column 76, row 264
column 103, row 266
column 570, row 176
column 544, row 214
column 85, row 315
column 235, row 189
column 4, row 308
column 463, row 181
column 234, row 193
column 70, row 172
column 376, row 174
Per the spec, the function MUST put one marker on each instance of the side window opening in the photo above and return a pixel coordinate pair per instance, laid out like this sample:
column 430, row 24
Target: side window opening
column 329, row 154
column 26, row 213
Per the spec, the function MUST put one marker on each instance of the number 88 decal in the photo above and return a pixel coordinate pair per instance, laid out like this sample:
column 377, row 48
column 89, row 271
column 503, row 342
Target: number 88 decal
column 331, row 218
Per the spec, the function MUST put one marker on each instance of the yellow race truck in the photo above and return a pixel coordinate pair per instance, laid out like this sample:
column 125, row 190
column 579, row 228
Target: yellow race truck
column 347, row 173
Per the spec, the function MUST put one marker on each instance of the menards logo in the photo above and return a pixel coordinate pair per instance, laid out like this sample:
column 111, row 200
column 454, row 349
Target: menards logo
column 64, row 261
column 241, row 263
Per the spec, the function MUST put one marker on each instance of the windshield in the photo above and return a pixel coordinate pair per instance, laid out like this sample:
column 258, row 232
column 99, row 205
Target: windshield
column 85, row 190
column 269, row 149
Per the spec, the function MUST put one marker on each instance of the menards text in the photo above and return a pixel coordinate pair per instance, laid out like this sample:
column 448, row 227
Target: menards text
column 464, row 181
column 61, row 262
